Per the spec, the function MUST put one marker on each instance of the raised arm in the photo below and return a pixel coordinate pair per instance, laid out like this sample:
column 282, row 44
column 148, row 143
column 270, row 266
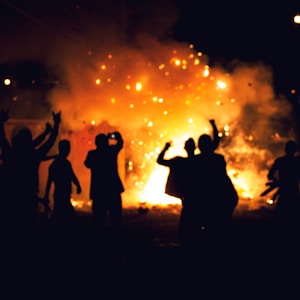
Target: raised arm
column 160, row 159
column 44, row 149
column 120, row 142
column 39, row 139
column 216, row 138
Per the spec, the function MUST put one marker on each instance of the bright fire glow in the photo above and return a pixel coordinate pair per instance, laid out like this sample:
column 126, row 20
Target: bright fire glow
column 159, row 94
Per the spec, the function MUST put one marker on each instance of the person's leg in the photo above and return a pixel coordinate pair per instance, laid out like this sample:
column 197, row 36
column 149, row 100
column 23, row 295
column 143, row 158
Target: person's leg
column 99, row 215
column 116, row 237
column 115, row 210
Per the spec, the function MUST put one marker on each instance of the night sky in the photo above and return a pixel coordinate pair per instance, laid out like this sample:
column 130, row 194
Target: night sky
column 248, row 31
column 224, row 30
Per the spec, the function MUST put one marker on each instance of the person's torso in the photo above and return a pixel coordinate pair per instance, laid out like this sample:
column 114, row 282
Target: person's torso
column 62, row 175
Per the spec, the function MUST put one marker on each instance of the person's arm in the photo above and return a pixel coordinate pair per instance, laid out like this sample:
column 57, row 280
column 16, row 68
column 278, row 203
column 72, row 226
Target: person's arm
column 76, row 182
column 88, row 160
column 48, row 157
column 216, row 138
column 39, row 139
column 273, row 181
column 44, row 149
column 160, row 159
column 119, row 139
column 273, row 171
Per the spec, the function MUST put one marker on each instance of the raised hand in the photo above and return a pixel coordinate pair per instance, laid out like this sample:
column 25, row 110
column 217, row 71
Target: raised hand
column 56, row 117
column 117, row 134
column 168, row 145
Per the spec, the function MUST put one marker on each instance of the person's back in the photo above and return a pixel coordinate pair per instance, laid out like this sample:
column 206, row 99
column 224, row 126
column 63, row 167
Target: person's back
column 287, row 167
column 61, row 174
column 22, row 171
column 212, row 197
column 102, row 162
column 209, row 168
column 286, row 171
column 106, row 185
column 206, row 189
column 178, row 182
column 61, row 170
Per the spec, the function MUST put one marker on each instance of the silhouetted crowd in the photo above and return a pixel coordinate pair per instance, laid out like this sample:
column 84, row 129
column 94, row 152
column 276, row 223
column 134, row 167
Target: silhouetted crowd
column 207, row 193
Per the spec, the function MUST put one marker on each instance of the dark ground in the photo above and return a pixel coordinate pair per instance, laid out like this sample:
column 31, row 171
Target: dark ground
column 255, row 260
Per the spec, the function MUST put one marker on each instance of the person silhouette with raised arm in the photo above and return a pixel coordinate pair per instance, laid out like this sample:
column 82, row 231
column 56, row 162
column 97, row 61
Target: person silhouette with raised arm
column 177, row 177
column 106, row 186
column 62, row 176
column 178, row 181
column 212, row 197
column 177, row 165
column 21, row 161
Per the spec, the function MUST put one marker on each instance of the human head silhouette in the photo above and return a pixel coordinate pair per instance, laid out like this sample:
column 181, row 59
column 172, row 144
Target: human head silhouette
column 205, row 143
column 290, row 147
column 64, row 147
column 101, row 140
column 23, row 139
column 190, row 145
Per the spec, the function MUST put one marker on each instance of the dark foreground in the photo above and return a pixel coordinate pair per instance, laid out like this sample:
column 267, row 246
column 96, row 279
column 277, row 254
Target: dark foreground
column 254, row 260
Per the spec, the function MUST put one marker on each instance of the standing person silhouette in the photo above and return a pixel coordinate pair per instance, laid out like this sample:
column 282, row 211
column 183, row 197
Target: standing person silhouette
column 285, row 171
column 62, row 175
column 21, row 162
column 218, row 193
column 178, row 178
column 212, row 197
column 106, row 186
column 180, row 183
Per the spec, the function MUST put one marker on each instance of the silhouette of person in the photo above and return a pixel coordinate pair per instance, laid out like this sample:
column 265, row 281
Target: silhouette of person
column 178, row 178
column 285, row 173
column 177, row 165
column 106, row 186
column 21, row 161
column 7, row 205
column 211, row 196
column 181, row 183
column 62, row 176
